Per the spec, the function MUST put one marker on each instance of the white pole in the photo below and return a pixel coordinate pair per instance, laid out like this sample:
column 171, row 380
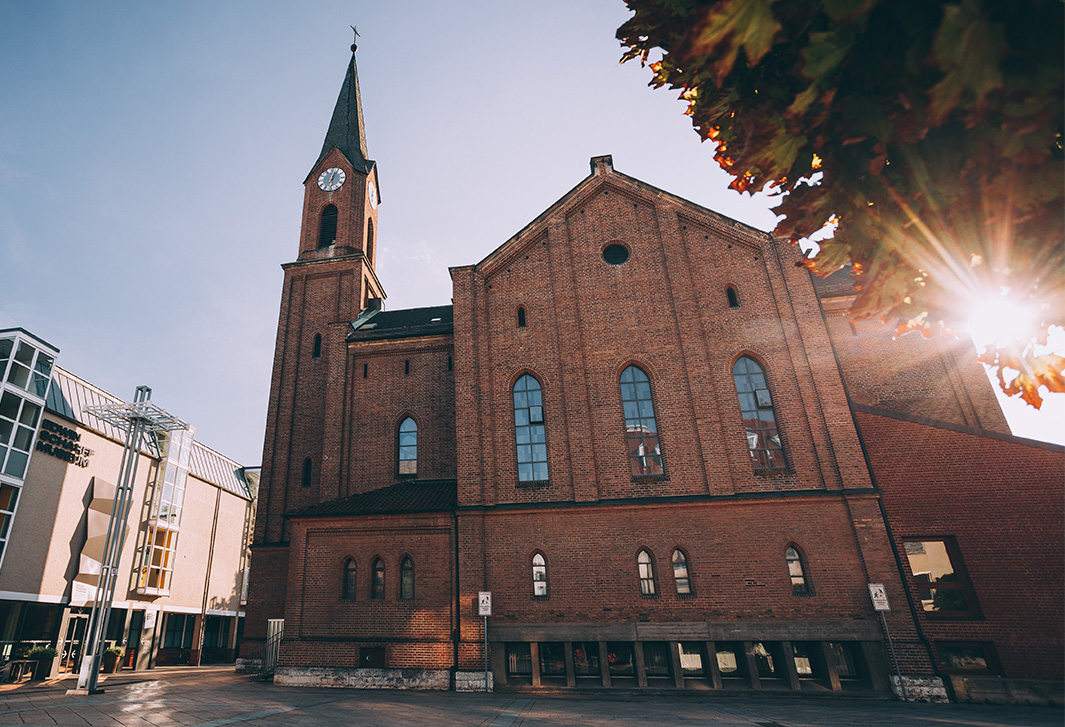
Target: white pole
column 486, row 653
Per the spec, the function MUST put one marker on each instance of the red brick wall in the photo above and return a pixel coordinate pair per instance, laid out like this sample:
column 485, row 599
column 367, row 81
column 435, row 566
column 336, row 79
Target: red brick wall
column 666, row 310
column 377, row 403
column 936, row 378
column 1002, row 500
column 322, row 629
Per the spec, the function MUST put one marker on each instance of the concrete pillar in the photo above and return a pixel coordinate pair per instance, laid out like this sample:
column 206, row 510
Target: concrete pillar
column 678, row 670
column 534, row 653
column 711, row 668
column 571, row 673
column 791, row 674
column 604, row 665
column 876, row 665
column 752, row 665
column 638, row 662
column 828, row 660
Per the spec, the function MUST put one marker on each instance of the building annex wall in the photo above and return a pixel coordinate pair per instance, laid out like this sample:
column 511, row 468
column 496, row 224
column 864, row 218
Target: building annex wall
column 997, row 503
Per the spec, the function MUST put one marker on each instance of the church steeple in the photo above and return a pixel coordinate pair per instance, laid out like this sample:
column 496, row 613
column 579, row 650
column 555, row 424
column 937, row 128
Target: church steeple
column 346, row 129
column 342, row 191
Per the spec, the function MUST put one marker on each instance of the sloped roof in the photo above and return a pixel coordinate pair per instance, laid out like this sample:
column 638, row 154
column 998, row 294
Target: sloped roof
column 69, row 395
column 346, row 129
column 434, row 320
column 834, row 284
column 405, row 497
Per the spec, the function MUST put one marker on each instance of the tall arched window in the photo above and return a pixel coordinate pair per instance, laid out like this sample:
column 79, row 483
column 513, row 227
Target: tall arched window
column 406, row 579
column 529, row 430
column 641, row 429
column 799, row 586
column 408, row 447
column 347, row 589
column 680, row 572
column 521, row 316
column 316, row 351
column 759, row 418
column 377, row 580
column 539, row 574
column 369, row 241
column 308, row 469
column 646, row 570
column 327, row 228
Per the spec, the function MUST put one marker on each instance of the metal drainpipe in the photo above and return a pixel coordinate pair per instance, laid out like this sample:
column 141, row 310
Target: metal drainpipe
column 455, row 618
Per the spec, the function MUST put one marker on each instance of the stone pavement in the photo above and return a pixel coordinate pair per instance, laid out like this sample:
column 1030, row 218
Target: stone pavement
column 217, row 697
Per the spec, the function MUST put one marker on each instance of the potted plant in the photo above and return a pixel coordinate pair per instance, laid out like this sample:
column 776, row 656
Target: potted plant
column 112, row 658
column 44, row 656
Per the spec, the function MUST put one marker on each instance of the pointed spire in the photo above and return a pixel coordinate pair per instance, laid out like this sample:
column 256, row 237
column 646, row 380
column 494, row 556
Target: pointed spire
column 346, row 127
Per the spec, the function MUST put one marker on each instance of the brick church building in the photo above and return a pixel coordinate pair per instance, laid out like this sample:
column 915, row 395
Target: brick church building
column 663, row 448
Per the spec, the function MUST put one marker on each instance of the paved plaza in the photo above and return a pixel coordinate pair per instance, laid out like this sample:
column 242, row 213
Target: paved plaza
column 216, row 697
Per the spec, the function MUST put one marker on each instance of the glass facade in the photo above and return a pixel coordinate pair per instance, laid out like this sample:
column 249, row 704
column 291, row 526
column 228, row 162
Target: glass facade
column 25, row 371
column 157, row 566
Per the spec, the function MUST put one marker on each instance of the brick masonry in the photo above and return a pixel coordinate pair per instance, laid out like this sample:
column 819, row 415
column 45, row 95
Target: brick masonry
column 664, row 309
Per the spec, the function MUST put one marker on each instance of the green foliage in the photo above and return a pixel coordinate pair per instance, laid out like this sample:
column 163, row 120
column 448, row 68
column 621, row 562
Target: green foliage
column 930, row 132
column 41, row 653
column 116, row 650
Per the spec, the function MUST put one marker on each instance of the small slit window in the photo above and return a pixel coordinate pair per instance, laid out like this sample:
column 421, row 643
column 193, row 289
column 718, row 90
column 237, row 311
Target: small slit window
column 327, row 228
column 316, row 350
column 369, row 241
column 539, row 575
column 733, row 297
column 680, row 572
column 646, row 571
column 377, row 580
column 408, row 447
column 308, row 470
column 347, row 590
column 406, row 579
column 521, row 317
column 799, row 586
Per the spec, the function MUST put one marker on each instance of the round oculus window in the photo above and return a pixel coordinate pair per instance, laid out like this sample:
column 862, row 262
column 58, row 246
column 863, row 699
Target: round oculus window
column 615, row 254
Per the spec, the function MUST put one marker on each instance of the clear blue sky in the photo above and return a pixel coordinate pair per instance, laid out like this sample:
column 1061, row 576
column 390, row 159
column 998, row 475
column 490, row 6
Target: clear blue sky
column 152, row 157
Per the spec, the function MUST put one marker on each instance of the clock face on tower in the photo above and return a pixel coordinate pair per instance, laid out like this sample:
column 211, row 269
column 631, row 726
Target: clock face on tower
column 371, row 192
column 331, row 179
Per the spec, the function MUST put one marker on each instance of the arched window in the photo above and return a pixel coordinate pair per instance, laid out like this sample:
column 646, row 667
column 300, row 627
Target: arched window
column 539, row 574
column 759, row 418
column 408, row 447
column 327, row 228
column 521, row 317
column 308, row 469
column 641, row 429
column 647, row 573
column 369, row 241
column 799, row 586
column 316, row 351
column 406, row 579
column 347, row 589
column 377, row 580
column 529, row 430
column 733, row 297
column 680, row 572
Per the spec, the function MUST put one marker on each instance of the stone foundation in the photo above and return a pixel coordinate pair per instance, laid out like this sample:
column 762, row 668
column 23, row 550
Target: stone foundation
column 921, row 689
column 996, row 690
column 472, row 681
column 249, row 666
column 321, row 676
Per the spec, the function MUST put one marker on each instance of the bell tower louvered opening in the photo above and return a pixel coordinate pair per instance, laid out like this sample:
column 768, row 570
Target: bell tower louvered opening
column 327, row 228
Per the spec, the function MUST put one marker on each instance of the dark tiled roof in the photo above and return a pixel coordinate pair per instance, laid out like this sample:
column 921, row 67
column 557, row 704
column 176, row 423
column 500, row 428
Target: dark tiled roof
column 430, row 321
column 346, row 129
column 837, row 283
column 406, row 497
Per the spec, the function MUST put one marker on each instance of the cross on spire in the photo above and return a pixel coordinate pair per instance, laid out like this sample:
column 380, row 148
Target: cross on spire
column 355, row 40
